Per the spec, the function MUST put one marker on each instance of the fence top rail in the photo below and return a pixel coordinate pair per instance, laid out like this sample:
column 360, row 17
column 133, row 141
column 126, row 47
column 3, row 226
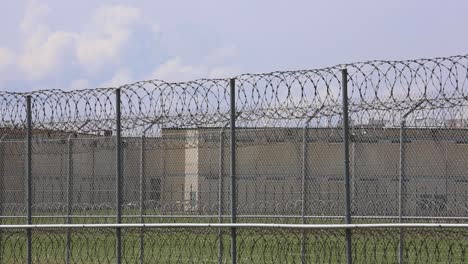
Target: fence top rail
column 241, row 225
column 245, row 216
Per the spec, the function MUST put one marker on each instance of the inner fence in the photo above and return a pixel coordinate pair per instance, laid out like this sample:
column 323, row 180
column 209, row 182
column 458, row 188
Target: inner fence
column 370, row 142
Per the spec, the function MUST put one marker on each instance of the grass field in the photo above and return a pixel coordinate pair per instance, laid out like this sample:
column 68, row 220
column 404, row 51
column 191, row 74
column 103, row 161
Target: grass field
column 201, row 245
column 255, row 245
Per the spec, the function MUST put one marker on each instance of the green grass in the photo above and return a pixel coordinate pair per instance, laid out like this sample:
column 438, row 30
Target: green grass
column 255, row 245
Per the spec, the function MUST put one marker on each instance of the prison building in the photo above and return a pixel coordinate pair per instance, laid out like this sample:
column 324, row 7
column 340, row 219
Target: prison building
column 184, row 170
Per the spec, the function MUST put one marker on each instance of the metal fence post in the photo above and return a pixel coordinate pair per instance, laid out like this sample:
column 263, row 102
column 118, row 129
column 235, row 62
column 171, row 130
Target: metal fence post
column 29, row 177
column 401, row 179
column 69, row 195
column 220, row 193
column 70, row 191
column 353, row 175
column 143, row 190
column 2, row 180
column 344, row 83
column 304, row 189
column 2, row 192
column 93, row 172
column 400, row 191
column 118, row 231
column 142, row 194
column 232, row 84
column 304, row 185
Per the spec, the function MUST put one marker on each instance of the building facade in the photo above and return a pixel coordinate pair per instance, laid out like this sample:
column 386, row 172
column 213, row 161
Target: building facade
column 186, row 171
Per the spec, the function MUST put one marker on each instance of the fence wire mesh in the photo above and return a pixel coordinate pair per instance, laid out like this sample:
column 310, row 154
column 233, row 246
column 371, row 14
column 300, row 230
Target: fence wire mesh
column 255, row 245
column 408, row 145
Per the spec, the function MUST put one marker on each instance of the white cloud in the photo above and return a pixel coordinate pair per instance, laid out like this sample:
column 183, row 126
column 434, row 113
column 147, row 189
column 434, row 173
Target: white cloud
column 221, row 55
column 223, row 72
column 94, row 48
column 216, row 64
column 6, row 59
column 6, row 63
column 46, row 52
column 34, row 14
column 174, row 70
column 112, row 28
column 80, row 84
column 120, row 77
column 101, row 44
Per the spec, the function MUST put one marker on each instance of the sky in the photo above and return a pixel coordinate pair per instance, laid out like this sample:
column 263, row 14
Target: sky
column 68, row 45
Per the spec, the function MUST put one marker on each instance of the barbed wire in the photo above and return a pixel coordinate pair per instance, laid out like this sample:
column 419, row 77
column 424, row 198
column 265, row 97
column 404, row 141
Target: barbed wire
column 255, row 245
column 287, row 122
column 282, row 206
column 376, row 88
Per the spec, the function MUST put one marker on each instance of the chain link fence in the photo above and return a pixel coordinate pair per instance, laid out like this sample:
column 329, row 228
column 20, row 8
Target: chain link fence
column 185, row 243
column 370, row 142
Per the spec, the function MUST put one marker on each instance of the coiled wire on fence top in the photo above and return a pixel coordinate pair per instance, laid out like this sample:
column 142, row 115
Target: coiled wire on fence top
column 381, row 89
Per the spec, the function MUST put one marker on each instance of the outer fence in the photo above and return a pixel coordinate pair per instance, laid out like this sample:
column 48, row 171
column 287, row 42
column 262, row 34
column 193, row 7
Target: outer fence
column 374, row 141
column 257, row 243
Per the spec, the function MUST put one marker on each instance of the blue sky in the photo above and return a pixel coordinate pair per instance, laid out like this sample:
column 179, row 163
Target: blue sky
column 67, row 45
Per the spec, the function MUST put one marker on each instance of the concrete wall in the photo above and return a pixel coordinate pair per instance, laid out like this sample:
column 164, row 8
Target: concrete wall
column 182, row 173
column 12, row 173
column 269, row 175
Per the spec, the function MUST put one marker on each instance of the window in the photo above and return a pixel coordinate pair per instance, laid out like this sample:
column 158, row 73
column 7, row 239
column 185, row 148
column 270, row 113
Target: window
column 211, row 173
column 193, row 199
column 155, row 193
